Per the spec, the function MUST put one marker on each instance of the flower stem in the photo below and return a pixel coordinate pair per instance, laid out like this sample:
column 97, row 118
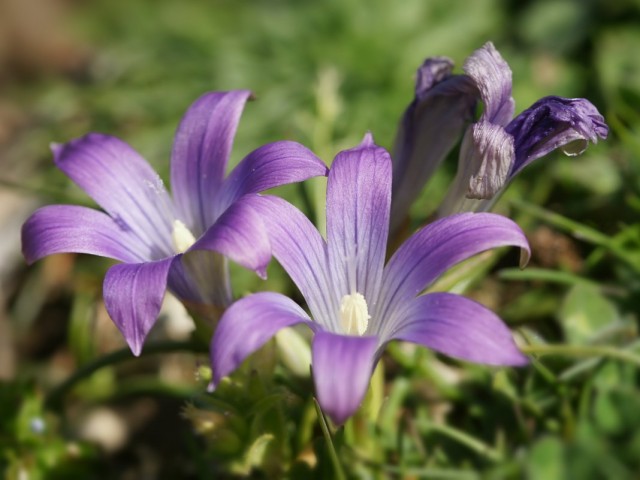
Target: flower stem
column 327, row 436
column 55, row 397
column 584, row 351
column 472, row 443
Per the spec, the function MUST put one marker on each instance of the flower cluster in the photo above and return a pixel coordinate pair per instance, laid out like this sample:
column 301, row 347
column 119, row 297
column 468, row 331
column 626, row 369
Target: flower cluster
column 356, row 303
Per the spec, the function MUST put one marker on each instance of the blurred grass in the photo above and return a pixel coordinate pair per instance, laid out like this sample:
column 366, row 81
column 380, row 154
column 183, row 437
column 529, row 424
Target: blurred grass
column 324, row 73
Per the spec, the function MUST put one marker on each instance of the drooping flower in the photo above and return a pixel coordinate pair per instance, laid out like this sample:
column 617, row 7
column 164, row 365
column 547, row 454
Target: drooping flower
column 207, row 218
column 496, row 147
column 357, row 304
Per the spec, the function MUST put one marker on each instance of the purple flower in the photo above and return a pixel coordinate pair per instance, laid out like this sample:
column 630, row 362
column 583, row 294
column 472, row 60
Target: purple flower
column 496, row 147
column 148, row 231
column 358, row 304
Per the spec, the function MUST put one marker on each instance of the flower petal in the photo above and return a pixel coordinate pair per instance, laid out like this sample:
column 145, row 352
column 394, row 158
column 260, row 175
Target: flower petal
column 555, row 122
column 492, row 76
column 200, row 153
column 358, row 202
column 239, row 234
column 123, row 184
column 133, row 296
column 434, row 249
column 486, row 156
column 491, row 160
column 270, row 166
column 247, row 325
column 342, row 368
column 430, row 127
column 461, row 328
column 69, row 228
column 302, row 252
column 201, row 281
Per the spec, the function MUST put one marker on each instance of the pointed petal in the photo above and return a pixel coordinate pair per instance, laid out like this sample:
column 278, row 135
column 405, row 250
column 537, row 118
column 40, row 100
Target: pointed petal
column 270, row 166
column 358, row 201
column 239, row 234
column 73, row 229
column 461, row 328
column 342, row 368
column 430, row 127
column 200, row 153
column 133, row 296
column 247, row 325
column 492, row 76
column 434, row 249
column 123, row 184
column 302, row 252
column 555, row 122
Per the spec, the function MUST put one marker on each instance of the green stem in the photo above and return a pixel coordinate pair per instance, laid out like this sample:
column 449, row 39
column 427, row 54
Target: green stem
column 55, row 397
column 471, row 442
column 327, row 436
column 583, row 351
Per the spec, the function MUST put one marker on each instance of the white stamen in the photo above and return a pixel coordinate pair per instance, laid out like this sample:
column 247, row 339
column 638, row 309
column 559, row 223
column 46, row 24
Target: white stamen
column 181, row 237
column 354, row 315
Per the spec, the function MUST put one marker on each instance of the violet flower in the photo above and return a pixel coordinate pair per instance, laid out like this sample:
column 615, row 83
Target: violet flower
column 496, row 147
column 358, row 304
column 149, row 231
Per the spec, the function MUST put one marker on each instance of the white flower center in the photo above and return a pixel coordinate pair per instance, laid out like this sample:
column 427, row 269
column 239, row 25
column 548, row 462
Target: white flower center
column 354, row 315
column 181, row 237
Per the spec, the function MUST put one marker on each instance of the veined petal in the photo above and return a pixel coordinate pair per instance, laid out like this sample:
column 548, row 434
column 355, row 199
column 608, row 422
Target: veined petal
column 486, row 156
column 555, row 122
column 200, row 153
column 247, row 325
column 73, row 229
column 434, row 249
column 133, row 296
column 342, row 368
column 490, row 161
column 492, row 76
column 430, row 127
column 461, row 328
column 270, row 166
column 302, row 252
column 123, row 184
column 239, row 234
column 358, row 202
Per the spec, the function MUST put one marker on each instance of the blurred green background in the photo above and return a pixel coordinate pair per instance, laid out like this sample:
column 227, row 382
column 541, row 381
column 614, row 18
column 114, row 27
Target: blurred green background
column 324, row 73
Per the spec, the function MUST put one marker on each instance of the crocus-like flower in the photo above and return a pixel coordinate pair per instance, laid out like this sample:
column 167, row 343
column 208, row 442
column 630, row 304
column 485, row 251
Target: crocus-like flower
column 496, row 147
column 149, row 231
column 358, row 304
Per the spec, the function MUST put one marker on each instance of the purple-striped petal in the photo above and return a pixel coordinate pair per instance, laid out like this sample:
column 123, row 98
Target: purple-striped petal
column 270, row 166
column 434, row 249
column 430, row 127
column 492, row 76
column 298, row 246
column 342, row 368
column 201, row 281
column 555, row 122
column 72, row 229
column 461, row 328
column 239, row 234
column 123, row 184
column 247, row 325
column 200, row 153
column 358, row 201
column 133, row 296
